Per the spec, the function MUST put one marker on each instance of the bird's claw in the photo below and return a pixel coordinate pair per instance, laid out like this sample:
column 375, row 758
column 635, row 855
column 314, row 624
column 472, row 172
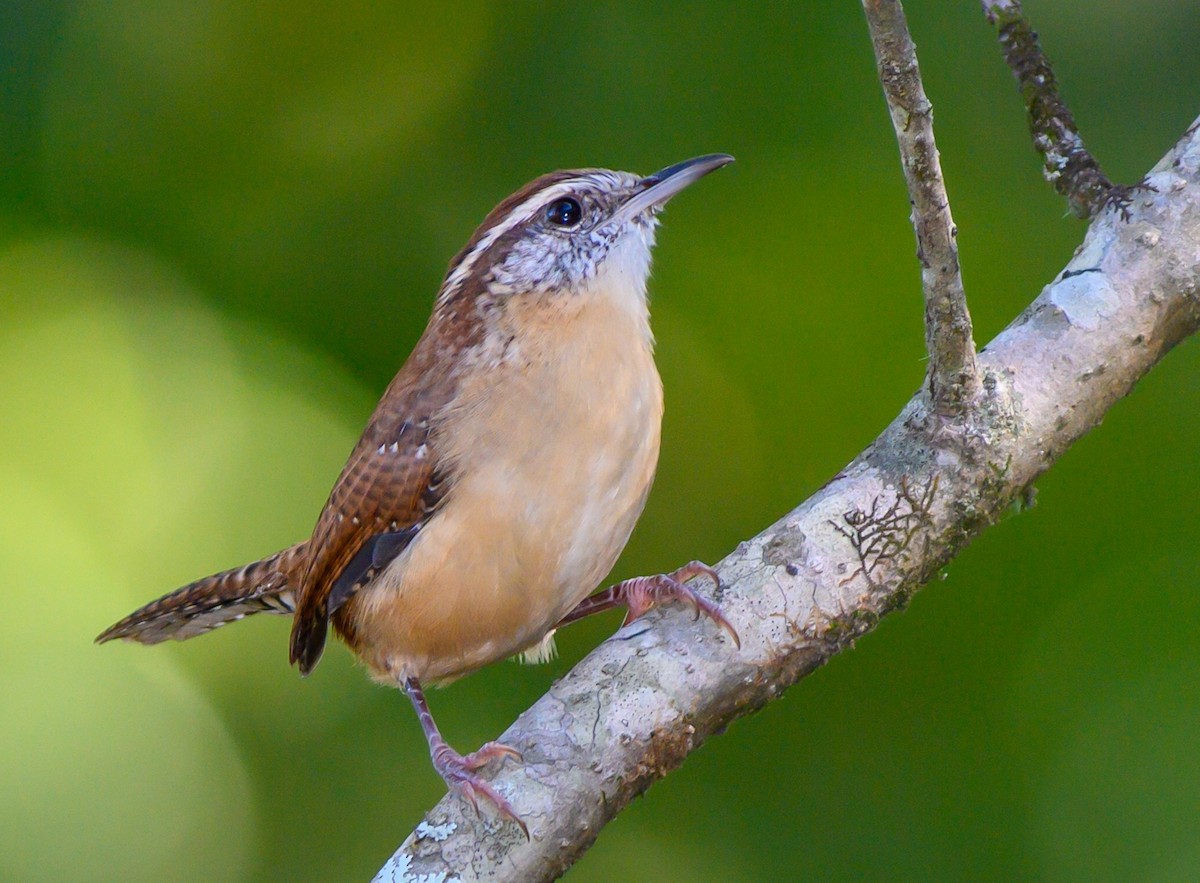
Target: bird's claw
column 459, row 773
column 489, row 752
column 643, row 593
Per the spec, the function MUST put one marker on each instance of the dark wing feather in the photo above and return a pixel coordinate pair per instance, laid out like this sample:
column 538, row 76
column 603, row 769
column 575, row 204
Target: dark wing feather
column 374, row 555
column 383, row 496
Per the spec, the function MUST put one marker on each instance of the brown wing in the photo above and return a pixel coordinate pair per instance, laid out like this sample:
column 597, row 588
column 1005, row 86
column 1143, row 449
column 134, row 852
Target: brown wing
column 387, row 490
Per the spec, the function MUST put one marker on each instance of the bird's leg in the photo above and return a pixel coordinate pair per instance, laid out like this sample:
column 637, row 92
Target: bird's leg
column 643, row 593
column 459, row 771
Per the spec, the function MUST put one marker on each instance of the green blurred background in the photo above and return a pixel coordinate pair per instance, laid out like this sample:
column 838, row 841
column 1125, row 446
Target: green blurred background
column 221, row 228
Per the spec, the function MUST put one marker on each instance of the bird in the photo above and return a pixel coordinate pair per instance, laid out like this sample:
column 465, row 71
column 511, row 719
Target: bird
column 501, row 473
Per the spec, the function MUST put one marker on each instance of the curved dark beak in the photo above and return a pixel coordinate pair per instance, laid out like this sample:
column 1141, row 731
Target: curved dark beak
column 664, row 184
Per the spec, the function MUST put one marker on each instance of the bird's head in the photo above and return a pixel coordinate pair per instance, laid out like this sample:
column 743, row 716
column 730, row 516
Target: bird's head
column 562, row 232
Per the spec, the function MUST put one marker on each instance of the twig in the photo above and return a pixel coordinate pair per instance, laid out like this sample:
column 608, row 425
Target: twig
column 1068, row 164
column 637, row 705
column 953, row 375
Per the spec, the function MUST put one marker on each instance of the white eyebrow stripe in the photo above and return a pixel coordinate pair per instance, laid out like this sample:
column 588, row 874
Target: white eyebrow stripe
column 519, row 214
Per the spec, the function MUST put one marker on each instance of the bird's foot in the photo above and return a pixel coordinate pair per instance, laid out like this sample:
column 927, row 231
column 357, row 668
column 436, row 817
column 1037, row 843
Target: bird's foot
column 644, row 593
column 459, row 773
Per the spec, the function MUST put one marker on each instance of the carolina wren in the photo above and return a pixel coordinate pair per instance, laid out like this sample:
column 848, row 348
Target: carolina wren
column 502, row 471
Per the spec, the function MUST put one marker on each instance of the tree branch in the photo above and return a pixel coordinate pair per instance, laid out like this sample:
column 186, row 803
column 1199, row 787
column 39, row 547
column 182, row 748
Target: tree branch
column 1068, row 164
column 806, row 587
column 953, row 376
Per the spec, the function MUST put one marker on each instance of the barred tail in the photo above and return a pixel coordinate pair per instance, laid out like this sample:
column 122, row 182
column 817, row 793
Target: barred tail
column 263, row 586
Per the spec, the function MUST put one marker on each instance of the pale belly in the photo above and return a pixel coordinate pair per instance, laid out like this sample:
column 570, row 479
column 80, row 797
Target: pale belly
column 550, row 488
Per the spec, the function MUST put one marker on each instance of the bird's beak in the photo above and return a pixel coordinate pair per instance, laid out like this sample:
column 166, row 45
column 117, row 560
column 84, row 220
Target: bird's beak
column 656, row 189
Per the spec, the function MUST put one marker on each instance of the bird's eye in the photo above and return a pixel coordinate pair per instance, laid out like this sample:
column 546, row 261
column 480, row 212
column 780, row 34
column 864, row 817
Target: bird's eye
column 565, row 212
